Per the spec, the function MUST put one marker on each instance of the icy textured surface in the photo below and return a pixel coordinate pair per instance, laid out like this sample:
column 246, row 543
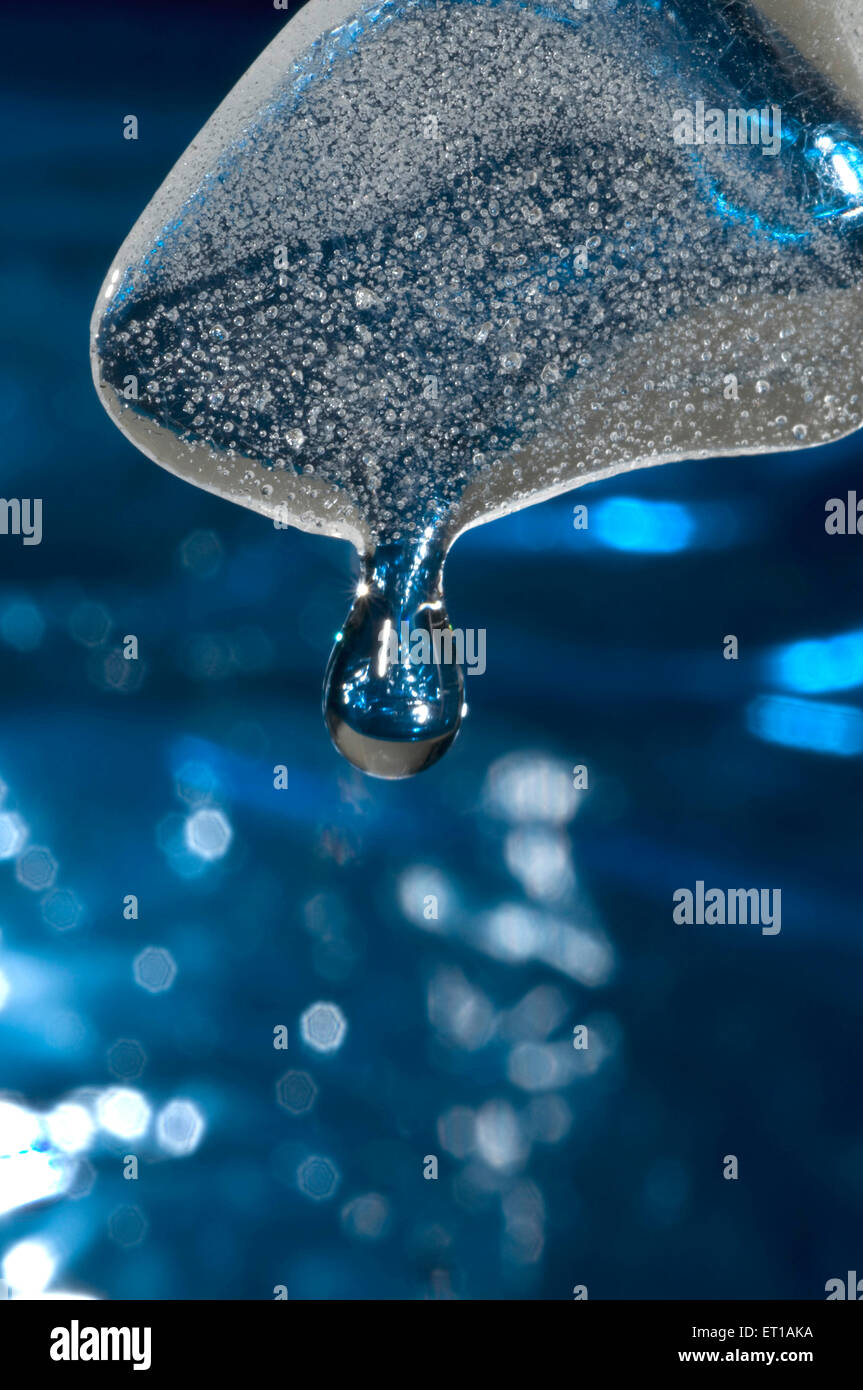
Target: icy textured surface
column 452, row 259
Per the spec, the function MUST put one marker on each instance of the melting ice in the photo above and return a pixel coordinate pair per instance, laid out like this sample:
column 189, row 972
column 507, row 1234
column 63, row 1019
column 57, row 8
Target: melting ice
column 450, row 257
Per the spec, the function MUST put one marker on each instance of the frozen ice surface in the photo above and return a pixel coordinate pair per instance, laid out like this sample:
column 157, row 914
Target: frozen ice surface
column 447, row 257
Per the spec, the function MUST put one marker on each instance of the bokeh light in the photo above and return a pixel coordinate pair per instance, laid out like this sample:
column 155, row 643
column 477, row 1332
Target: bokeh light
column 180, row 1128
column 296, row 1092
column 13, row 834
column 318, row 1178
column 806, row 724
column 124, row 1113
column 323, row 1027
column 70, row 1127
column 155, row 969
column 208, row 833
column 29, row 1267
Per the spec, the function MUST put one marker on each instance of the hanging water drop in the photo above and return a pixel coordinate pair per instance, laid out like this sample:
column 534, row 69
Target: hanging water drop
column 392, row 698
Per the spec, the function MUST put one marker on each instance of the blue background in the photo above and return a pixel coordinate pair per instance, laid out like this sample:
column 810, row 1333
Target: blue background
column 556, row 1168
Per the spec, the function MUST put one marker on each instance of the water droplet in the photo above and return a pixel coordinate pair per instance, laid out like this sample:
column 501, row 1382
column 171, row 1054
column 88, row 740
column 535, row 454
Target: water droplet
column 393, row 694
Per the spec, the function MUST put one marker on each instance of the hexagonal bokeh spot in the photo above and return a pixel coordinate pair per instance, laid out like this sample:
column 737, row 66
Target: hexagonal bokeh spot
column 124, row 1112
column 36, row 869
column 366, row 1217
column 61, row 909
column 318, row 1178
column 22, row 625
column 208, row 833
column 126, row 1059
column 127, row 1226
column 114, row 671
column 180, row 1127
column 155, row 969
column 296, row 1092
column 323, row 1027
column 196, row 782
column 81, row 1181
column 201, row 553
column 90, row 624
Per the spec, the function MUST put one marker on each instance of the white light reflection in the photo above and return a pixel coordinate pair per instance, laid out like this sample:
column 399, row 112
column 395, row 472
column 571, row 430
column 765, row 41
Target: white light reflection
column 29, row 1176
column 500, row 1137
column 462, row 1015
column 112, row 282
column 13, row 835
column 70, row 1127
column 514, row 933
column 529, row 786
column 29, row 1267
column 323, row 1027
column 384, row 652
column 180, row 1128
column 208, row 834
column 534, row 1066
column 426, row 897
column 124, row 1113
column 541, row 861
